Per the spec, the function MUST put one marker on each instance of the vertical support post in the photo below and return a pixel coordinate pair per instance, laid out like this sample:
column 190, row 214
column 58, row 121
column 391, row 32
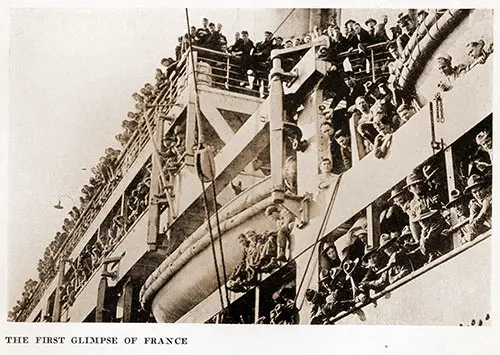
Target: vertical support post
column 257, row 304
column 373, row 220
column 101, row 297
column 128, row 289
column 124, row 210
column 450, row 179
column 357, row 147
column 154, row 209
column 191, row 110
column 228, row 67
column 276, row 131
column 373, row 66
column 57, row 299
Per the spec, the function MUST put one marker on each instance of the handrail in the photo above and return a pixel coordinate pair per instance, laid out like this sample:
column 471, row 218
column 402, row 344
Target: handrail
column 414, row 275
column 208, row 50
column 370, row 47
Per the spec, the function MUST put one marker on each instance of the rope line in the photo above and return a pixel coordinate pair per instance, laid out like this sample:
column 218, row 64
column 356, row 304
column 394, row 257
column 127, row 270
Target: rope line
column 224, row 273
column 207, row 215
column 205, row 199
column 282, row 22
column 320, row 232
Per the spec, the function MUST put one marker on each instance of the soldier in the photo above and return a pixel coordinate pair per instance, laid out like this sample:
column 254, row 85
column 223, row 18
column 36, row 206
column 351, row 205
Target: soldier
column 370, row 25
column 399, row 265
column 421, row 15
column 485, row 143
column 297, row 41
column 284, row 223
column 395, row 33
column 340, row 296
column 325, row 173
column 393, row 65
column 407, row 28
column 213, row 39
column 278, row 43
column 338, row 43
column 411, row 249
column 478, row 52
column 401, row 198
column 349, row 30
column 479, row 205
column 237, row 45
column 375, row 279
column 329, row 257
column 361, row 37
column 434, row 177
column 422, row 200
column 405, row 112
column 361, row 104
column 424, row 208
column 317, row 301
column 434, row 238
column 380, row 32
column 268, row 251
column 449, row 72
column 223, row 38
column 202, row 33
column 244, row 51
column 263, row 49
column 392, row 220
column 239, row 276
column 355, row 89
column 458, row 204
column 252, row 257
column 344, row 141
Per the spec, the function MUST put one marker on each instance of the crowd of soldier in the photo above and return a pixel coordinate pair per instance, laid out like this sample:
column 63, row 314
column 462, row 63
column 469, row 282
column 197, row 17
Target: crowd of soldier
column 378, row 108
column 418, row 225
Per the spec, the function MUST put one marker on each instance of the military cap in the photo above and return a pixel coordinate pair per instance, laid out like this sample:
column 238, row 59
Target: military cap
column 481, row 136
column 473, row 181
column 455, row 197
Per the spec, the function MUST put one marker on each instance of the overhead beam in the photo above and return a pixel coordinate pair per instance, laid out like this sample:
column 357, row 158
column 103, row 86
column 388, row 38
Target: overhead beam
column 231, row 101
column 245, row 145
column 215, row 118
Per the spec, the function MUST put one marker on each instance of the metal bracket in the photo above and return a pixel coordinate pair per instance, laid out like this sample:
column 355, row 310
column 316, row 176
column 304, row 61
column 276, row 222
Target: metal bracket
column 300, row 209
column 108, row 266
column 287, row 78
column 437, row 146
column 157, row 200
column 291, row 77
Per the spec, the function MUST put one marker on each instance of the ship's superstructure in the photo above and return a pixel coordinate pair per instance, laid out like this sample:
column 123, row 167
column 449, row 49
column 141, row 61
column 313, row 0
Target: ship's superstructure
column 280, row 196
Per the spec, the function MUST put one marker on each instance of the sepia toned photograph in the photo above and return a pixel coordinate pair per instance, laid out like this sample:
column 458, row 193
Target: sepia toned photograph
column 271, row 166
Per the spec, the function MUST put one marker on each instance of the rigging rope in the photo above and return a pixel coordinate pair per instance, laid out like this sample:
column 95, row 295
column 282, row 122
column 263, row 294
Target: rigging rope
column 320, row 232
column 205, row 200
column 216, row 209
column 207, row 216
column 282, row 22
